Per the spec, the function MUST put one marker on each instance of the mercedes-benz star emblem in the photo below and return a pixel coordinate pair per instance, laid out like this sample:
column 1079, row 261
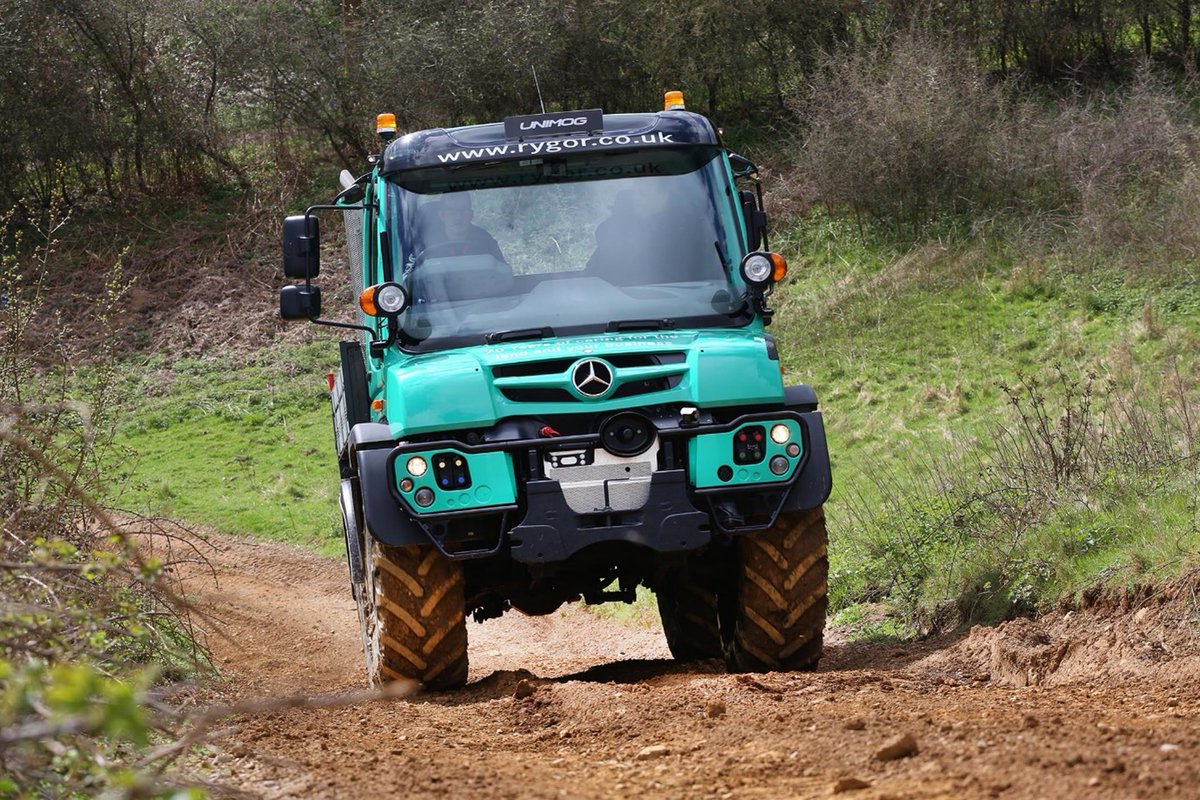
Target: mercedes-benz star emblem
column 592, row 377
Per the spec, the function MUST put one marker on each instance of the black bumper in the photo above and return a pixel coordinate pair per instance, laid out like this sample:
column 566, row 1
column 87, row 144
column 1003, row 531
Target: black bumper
column 551, row 531
column 674, row 519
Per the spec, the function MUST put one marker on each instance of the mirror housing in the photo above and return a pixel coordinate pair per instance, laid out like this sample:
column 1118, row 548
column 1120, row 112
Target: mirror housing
column 301, row 247
column 300, row 302
column 756, row 220
column 742, row 166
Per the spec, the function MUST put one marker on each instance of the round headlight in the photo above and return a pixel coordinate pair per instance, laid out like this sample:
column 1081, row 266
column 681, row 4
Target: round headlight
column 390, row 299
column 757, row 269
column 416, row 466
column 780, row 433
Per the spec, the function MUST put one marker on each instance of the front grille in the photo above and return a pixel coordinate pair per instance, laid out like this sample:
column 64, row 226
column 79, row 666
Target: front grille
column 532, row 368
column 538, row 395
column 562, row 367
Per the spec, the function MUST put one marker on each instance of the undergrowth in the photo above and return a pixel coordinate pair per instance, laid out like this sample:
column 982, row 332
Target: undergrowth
column 90, row 622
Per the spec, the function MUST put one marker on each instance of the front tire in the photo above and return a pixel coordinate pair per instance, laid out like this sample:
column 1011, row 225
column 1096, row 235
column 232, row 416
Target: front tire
column 689, row 618
column 775, row 618
column 413, row 615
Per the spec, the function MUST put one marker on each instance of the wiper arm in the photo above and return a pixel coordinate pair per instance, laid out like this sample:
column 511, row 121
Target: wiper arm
column 640, row 325
column 496, row 337
column 721, row 255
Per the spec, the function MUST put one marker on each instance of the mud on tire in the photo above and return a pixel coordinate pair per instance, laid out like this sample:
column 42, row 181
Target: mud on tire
column 775, row 617
column 413, row 616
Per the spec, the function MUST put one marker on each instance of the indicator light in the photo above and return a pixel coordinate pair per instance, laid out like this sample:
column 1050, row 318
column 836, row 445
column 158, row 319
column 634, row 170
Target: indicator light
column 424, row 497
column 383, row 300
column 406, row 485
column 793, row 449
column 779, row 465
column 673, row 101
column 780, row 434
column 417, row 466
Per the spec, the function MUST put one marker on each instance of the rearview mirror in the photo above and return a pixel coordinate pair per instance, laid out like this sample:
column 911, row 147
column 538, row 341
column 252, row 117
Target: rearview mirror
column 300, row 302
column 301, row 247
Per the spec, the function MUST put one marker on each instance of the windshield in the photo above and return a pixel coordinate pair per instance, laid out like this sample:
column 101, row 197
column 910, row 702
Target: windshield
column 545, row 247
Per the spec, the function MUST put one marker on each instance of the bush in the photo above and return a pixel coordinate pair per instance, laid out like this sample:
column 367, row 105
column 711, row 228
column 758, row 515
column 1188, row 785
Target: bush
column 88, row 623
column 914, row 130
column 901, row 131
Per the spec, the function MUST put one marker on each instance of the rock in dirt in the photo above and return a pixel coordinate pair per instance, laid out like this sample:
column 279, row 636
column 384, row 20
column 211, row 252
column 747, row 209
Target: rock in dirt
column 714, row 708
column 901, row 747
column 653, row 751
column 855, row 724
column 524, row 689
column 850, row 785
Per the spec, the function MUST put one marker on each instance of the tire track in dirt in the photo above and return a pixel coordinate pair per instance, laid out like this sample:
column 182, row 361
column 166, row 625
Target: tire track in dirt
column 1099, row 704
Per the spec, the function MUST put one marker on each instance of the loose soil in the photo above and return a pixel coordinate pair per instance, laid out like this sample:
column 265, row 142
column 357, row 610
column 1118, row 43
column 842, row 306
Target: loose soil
column 1098, row 702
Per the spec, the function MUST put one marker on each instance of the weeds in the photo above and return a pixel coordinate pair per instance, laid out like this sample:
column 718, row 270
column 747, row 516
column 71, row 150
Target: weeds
column 1055, row 499
column 915, row 133
column 88, row 621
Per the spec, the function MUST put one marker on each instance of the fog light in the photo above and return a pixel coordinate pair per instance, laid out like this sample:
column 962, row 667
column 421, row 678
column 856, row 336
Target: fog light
column 424, row 497
column 780, row 433
column 416, row 466
column 793, row 449
column 406, row 485
column 779, row 465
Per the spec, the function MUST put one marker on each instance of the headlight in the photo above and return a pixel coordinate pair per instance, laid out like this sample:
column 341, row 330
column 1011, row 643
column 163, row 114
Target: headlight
column 757, row 269
column 383, row 300
column 416, row 466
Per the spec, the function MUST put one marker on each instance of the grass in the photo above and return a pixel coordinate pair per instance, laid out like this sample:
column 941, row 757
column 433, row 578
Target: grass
column 908, row 348
column 240, row 447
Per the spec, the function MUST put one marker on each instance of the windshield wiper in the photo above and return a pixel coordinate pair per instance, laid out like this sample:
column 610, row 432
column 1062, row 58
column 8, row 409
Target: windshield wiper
column 640, row 325
column 496, row 337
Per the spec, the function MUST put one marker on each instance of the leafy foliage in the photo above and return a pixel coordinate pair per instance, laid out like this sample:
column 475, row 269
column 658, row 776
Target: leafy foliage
column 88, row 622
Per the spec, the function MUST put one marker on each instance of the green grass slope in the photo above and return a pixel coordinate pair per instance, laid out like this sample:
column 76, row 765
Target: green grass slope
column 910, row 349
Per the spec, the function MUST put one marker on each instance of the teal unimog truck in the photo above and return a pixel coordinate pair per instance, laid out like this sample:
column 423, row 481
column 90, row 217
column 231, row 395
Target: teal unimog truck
column 562, row 388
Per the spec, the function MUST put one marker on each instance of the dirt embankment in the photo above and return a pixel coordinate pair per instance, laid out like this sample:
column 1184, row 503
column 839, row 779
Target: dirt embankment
column 1098, row 703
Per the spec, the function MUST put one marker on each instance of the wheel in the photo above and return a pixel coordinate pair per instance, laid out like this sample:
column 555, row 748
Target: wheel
column 688, row 609
column 413, row 616
column 775, row 617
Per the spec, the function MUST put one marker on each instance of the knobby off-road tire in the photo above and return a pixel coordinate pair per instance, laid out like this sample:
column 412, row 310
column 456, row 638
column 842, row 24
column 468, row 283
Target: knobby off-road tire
column 775, row 617
column 688, row 609
column 413, row 616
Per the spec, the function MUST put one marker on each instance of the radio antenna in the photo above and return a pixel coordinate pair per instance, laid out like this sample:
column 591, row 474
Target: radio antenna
column 541, row 102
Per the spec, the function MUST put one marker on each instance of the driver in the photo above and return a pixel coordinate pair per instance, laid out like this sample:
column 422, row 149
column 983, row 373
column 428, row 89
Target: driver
column 648, row 238
column 458, row 235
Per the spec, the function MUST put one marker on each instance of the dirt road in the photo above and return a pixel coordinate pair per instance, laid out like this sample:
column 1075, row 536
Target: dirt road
column 1091, row 703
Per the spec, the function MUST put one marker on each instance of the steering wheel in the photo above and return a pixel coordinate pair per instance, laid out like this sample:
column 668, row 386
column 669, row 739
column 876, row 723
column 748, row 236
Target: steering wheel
column 442, row 248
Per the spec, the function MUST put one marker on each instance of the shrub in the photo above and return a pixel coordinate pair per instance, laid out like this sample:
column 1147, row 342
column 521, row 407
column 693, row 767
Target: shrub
column 87, row 623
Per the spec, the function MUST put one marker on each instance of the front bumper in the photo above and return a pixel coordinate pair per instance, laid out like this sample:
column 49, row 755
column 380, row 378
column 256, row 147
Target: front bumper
column 512, row 500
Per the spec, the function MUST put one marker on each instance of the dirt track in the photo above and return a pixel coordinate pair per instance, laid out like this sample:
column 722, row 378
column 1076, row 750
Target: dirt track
column 1097, row 703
